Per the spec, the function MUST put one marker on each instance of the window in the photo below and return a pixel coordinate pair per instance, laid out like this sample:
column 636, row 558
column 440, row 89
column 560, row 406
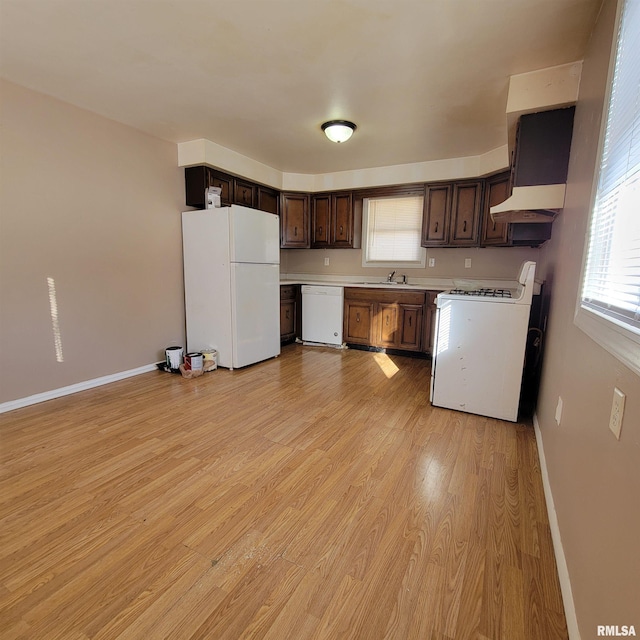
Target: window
column 392, row 232
column 609, row 309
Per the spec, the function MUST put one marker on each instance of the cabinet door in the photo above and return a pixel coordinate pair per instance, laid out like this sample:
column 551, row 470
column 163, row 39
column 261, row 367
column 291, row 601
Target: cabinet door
column 321, row 220
column 410, row 327
column 341, row 220
column 223, row 182
column 497, row 190
column 294, row 221
column 387, row 330
column 267, row 200
column 195, row 185
column 243, row 193
column 435, row 220
column 430, row 321
column 287, row 320
column 465, row 213
column 358, row 317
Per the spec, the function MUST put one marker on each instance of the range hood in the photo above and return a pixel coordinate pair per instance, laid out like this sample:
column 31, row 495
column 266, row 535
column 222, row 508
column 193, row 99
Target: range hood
column 540, row 165
column 539, row 203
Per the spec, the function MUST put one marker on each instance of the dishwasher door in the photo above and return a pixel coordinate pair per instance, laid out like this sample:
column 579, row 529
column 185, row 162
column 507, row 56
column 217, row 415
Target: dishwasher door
column 322, row 313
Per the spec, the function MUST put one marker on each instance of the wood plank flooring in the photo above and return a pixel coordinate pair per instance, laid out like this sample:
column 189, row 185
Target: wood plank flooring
column 313, row 496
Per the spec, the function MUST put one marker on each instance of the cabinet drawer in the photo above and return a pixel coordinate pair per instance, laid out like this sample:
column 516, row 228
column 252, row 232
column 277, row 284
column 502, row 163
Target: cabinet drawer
column 288, row 291
column 402, row 296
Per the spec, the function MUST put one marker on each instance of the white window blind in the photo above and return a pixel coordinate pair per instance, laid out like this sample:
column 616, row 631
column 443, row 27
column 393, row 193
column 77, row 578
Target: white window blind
column 394, row 227
column 611, row 285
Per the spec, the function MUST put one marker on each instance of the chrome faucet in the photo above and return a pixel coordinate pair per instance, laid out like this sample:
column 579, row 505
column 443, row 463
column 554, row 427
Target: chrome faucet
column 390, row 276
column 404, row 279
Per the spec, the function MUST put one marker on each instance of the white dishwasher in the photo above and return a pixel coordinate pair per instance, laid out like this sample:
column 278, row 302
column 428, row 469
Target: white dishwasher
column 322, row 312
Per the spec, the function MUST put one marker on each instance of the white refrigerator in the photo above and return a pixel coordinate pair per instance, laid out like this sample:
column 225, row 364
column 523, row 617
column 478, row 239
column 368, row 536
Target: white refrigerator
column 232, row 283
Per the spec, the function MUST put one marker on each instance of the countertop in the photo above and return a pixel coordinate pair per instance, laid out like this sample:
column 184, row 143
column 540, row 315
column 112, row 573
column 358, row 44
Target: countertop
column 422, row 284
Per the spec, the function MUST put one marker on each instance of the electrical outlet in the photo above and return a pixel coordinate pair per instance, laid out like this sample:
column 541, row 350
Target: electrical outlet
column 432, row 262
column 559, row 410
column 617, row 411
column 467, row 263
column 326, row 262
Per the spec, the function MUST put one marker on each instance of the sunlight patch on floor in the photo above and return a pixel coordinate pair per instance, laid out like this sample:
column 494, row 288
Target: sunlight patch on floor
column 387, row 365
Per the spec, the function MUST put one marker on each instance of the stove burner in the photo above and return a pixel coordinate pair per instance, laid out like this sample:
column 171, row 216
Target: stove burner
column 485, row 293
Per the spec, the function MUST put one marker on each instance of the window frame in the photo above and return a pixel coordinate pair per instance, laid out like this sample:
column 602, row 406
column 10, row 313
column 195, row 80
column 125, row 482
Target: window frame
column 407, row 264
column 616, row 337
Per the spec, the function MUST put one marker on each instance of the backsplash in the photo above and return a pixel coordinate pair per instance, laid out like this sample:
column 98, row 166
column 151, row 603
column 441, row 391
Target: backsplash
column 486, row 263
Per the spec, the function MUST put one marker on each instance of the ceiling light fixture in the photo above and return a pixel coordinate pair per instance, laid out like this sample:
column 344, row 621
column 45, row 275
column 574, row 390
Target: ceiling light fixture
column 338, row 130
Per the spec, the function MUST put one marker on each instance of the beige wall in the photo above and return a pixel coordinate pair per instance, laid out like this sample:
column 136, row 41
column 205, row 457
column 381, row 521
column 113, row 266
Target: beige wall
column 490, row 263
column 594, row 478
column 96, row 206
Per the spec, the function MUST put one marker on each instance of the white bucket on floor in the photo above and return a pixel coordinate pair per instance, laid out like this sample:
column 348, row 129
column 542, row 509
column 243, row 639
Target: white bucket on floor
column 173, row 357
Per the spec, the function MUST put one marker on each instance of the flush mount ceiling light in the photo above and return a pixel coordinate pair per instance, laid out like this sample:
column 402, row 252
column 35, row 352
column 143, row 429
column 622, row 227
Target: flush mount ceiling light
column 338, row 130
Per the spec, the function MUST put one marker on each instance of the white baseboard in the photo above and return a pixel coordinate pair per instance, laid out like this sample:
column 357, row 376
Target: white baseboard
column 74, row 388
column 563, row 570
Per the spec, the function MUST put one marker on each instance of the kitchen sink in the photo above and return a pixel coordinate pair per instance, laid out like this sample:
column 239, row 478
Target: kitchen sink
column 390, row 284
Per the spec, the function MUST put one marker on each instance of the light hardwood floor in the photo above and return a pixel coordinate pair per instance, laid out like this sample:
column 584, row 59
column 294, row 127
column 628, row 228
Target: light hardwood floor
column 317, row 495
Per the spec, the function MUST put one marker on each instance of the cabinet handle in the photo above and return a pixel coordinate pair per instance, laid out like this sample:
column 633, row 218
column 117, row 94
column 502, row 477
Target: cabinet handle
column 464, row 225
column 319, row 231
column 287, row 314
column 387, row 321
column 435, row 229
column 357, row 317
column 341, row 228
column 295, row 231
column 409, row 321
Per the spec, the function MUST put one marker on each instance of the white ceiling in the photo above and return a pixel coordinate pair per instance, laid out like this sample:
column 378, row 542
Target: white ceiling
column 422, row 79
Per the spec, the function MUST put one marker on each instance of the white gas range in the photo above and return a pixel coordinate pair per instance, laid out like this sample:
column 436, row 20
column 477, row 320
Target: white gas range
column 480, row 341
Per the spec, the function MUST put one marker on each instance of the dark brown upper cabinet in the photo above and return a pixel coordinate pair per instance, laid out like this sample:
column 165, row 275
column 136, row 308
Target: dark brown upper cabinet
column 543, row 144
column 466, row 208
column 500, row 234
column 332, row 220
column 233, row 190
column 452, row 212
column 268, row 200
column 497, row 190
column 294, row 221
column 436, row 215
column 225, row 183
column 244, row 193
column 320, row 220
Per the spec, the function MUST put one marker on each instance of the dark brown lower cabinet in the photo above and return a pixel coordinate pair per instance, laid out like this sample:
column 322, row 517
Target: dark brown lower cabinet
column 387, row 319
column 290, row 316
column 358, row 315
column 430, row 320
